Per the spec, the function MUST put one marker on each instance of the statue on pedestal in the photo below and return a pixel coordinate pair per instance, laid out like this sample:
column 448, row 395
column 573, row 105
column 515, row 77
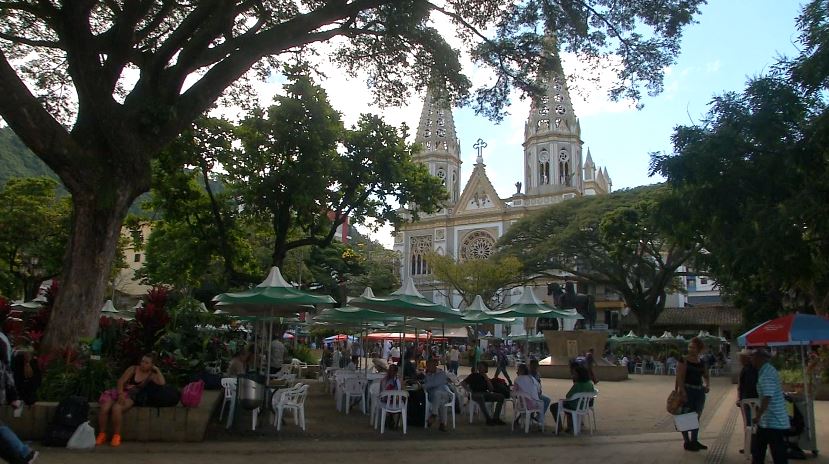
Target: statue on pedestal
column 568, row 298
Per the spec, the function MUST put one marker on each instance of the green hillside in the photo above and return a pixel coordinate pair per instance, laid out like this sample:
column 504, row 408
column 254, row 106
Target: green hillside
column 18, row 161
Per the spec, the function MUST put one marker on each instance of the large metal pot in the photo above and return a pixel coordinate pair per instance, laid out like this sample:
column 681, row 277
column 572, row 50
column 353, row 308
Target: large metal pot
column 251, row 393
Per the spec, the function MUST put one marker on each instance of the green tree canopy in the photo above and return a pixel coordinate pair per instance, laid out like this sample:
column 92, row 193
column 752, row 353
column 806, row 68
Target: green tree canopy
column 300, row 170
column 621, row 240
column 491, row 278
column 753, row 180
column 34, row 226
column 112, row 83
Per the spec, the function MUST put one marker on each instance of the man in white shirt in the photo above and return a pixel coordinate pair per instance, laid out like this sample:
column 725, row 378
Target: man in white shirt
column 454, row 359
column 395, row 354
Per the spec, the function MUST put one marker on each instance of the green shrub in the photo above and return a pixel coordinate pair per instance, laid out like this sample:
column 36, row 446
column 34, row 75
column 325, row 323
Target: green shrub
column 87, row 378
column 304, row 354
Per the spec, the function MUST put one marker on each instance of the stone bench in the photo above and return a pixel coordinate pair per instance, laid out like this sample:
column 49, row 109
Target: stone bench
column 174, row 424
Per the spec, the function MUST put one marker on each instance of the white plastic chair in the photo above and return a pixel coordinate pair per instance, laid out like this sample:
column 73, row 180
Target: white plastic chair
column 450, row 405
column 374, row 403
column 354, row 388
column 229, row 386
column 526, row 406
column 582, row 410
column 639, row 368
column 393, row 402
column 294, row 401
column 658, row 368
column 754, row 405
column 672, row 369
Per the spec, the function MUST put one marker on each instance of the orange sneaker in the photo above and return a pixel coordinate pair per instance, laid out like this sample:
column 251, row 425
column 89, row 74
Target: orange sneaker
column 116, row 441
column 101, row 439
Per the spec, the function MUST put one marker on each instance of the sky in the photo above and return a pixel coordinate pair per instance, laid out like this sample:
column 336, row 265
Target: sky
column 733, row 41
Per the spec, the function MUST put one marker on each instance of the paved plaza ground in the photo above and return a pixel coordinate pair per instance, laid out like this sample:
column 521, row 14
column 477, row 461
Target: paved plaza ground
column 633, row 427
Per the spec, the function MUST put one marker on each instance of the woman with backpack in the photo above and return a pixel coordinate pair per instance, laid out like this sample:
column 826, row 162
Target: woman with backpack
column 12, row 449
column 119, row 400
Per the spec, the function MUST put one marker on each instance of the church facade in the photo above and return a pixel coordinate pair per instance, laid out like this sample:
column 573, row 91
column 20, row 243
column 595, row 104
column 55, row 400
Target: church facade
column 555, row 169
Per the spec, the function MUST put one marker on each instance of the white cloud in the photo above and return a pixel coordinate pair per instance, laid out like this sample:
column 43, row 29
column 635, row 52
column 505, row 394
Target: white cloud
column 712, row 66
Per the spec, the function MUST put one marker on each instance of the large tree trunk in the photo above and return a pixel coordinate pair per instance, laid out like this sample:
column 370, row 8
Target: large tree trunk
column 96, row 228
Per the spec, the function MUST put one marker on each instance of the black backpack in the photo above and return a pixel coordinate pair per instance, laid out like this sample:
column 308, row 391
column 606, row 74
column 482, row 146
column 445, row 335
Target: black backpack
column 161, row 396
column 70, row 413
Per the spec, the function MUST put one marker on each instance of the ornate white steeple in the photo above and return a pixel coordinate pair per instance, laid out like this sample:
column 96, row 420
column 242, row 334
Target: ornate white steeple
column 440, row 148
column 552, row 136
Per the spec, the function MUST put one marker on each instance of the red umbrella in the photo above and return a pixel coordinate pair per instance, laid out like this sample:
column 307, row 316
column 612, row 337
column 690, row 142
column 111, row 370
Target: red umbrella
column 791, row 329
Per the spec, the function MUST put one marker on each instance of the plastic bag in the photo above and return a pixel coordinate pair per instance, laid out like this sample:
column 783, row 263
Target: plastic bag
column 83, row 438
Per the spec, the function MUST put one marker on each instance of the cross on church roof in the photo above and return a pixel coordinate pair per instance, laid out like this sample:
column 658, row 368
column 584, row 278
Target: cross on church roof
column 480, row 145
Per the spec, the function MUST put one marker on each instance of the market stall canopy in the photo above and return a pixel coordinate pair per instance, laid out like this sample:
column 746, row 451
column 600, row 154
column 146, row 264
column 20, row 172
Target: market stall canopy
column 479, row 313
column 407, row 301
column 409, row 337
column 109, row 310
column 530, row 306
column 709, row 339
column 629, row 339
column 274, row 296
column 537, row 338
column 669, row 339
column 792, row 329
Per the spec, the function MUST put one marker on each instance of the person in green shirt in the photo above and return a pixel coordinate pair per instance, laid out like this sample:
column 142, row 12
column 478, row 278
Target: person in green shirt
column 581, row 384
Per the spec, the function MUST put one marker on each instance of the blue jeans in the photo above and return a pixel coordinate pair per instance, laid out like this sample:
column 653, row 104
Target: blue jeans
column 453, row 367
column 13, row 449
column 547, row 401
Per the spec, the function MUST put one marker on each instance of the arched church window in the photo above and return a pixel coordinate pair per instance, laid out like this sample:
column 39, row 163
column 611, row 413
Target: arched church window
column 477, row 245
column 564, row 167
column 441, row 132
column 560, row 109
column 427, row 132
column 419, row 246
column 543, row 167
column 543, row 124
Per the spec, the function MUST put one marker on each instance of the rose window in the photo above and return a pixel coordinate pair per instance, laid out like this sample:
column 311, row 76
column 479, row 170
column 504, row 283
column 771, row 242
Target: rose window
column 477, row 245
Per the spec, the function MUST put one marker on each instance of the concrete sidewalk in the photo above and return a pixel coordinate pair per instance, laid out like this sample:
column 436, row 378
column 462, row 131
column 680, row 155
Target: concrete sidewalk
column 633, row 427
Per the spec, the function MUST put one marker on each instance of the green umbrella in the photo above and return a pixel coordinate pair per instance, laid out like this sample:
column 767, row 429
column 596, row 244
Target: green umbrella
column 273, row 297
column 709, row 339
column 629, row 340
column 479, row 313
column 407, row 301
column 669, row 339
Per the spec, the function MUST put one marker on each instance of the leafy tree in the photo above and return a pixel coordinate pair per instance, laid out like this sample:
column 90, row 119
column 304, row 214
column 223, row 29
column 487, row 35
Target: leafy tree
column 201, row 236
column 34, row 226
column 112, row 83
column 491, row 278
column 754, row 179
column 621, row 240
column 302, row 172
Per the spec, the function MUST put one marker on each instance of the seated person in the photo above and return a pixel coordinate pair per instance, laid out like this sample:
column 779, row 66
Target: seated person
column 528, row 386
column 436, row 384
column 239, row 363
column 581, row 384
column 26, row 376
column 119, row 400
column 390, row 381
column 482, row 390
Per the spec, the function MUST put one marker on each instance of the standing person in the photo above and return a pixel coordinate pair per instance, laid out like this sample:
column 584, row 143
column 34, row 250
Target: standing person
column 337, row 358
column 692, row 383
column 501, row 363
column 454, row 359
column 591, row 363
column 747, row 386
column 772, row 419
column 476, row 355
column 12, row 449
column 119, row 400
column 277, row 353
column 395, row 354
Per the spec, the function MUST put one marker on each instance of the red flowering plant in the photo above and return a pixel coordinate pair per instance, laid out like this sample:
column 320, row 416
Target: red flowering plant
column 150, row 322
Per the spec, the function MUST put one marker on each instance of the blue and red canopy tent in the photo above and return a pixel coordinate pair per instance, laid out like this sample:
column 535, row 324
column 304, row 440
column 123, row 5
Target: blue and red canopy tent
column 802, row 330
